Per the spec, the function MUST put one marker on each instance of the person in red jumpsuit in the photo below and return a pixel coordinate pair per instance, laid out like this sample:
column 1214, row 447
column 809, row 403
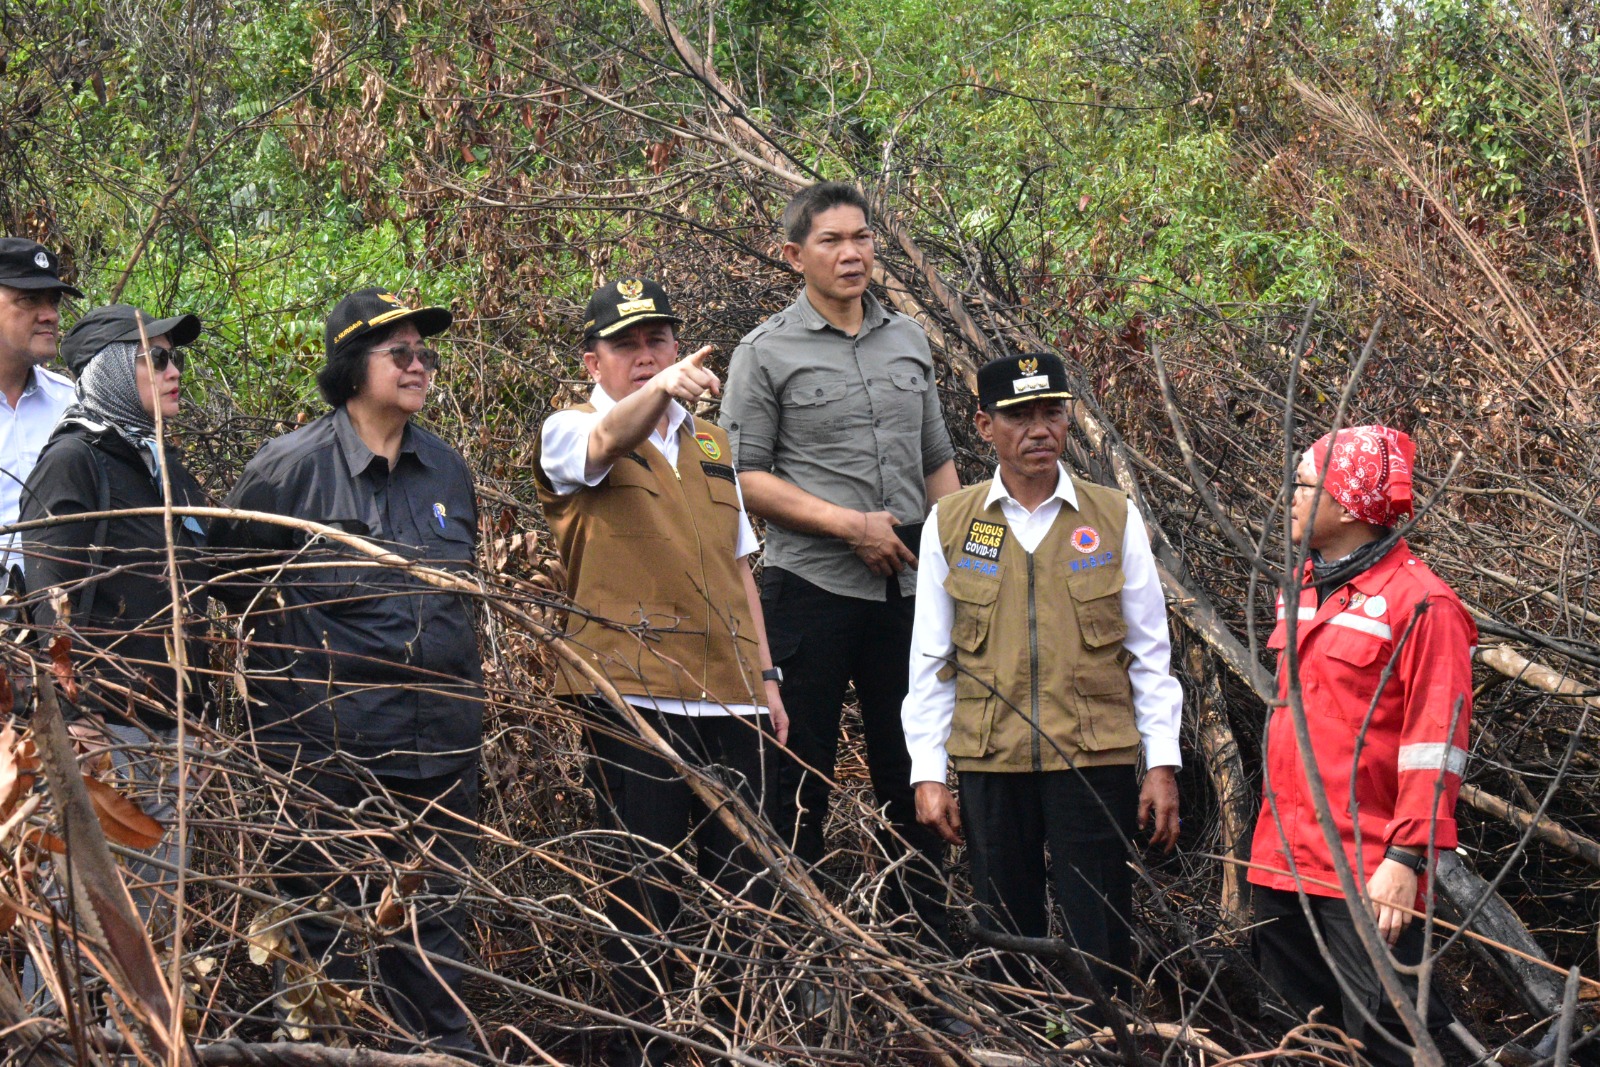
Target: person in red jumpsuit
column 1385, row 674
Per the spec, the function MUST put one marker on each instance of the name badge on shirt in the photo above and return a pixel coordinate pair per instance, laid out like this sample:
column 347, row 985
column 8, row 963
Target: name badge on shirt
column 718, row 470
column 984, row 539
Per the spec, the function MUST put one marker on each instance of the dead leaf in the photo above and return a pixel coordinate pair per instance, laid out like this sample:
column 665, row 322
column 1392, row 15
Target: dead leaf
column 266, row 937
column 61, row 665
column 391, row 913
column 123, row 821
column 15, row 781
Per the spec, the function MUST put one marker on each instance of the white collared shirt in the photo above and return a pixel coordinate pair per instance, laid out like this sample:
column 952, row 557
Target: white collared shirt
column 564, row 456
column 24, row 429
column 930, row 703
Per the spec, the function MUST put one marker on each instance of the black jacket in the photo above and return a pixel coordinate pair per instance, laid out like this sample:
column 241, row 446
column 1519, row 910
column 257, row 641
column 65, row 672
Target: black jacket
column 129, row 612
column 349, row 657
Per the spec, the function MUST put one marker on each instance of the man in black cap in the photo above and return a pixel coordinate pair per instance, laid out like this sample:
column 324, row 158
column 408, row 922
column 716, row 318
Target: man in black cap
column 650, row 522
column 365, row 682
column 33, row 397
column 1045, row 745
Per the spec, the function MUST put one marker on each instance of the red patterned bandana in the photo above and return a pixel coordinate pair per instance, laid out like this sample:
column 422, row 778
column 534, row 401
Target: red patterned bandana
column 1369, row 472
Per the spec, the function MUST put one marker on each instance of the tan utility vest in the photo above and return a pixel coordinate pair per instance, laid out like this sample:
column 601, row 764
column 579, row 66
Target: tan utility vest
column 660, row 604
column 1041, row 674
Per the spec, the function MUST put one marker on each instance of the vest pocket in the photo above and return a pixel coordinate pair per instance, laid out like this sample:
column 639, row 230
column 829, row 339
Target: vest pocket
column 1099, row 606
column 1105, row 708
column 973, row 722
column 974, row 599
column 723, row 491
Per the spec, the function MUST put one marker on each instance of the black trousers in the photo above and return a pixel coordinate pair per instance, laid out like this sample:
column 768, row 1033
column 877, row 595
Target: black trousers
column 1291, row 964
column 640, row 793
column 439, row 812
column 824, row 642
column 1009, row 819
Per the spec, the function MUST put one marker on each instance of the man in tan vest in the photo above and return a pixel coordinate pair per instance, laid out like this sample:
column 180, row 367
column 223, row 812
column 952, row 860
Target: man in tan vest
column 1039, row 668
column 649, row 520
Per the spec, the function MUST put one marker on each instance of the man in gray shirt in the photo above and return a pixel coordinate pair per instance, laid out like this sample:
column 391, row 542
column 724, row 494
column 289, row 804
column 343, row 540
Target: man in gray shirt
column 834, row 421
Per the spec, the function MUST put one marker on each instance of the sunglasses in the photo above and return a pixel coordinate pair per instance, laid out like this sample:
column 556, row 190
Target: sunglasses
column 404, row 354
column 160, row 357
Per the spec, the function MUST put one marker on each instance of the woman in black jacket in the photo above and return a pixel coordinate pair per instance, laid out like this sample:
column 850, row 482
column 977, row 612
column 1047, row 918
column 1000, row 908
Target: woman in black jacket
column 105, row 582
column 111, row 575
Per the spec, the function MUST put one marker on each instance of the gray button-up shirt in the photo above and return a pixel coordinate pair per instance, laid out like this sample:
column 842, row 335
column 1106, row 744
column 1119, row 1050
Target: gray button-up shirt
column 852, row 420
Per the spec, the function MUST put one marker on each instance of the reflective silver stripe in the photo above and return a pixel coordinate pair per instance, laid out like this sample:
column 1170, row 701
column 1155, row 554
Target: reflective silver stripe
column 1304, row 614
column 1433, row 756
column 1351, row 621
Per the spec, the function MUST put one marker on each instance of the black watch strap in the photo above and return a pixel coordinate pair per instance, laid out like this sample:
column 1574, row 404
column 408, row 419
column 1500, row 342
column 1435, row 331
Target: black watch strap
column 772, row 674
column 1408, row 859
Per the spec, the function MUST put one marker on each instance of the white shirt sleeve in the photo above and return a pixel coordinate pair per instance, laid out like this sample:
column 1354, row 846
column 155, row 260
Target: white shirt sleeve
column 564, row 451
column 748, row 545
column 1157, row 696
column 930, row 704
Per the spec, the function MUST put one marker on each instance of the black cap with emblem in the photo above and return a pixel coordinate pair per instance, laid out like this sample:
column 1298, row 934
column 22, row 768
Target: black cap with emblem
column 120, row 322
column 623, row 303
column 375, row 308
column 1018, row 379
column 28, row 264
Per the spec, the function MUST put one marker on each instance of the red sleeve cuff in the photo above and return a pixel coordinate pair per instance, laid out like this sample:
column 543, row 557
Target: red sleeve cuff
column 1419, row 833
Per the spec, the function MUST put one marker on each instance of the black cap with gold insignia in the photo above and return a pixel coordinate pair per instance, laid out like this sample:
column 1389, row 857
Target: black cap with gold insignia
column 1018, row 379
column 26, row 264
column 623, row 303
column 376, row 308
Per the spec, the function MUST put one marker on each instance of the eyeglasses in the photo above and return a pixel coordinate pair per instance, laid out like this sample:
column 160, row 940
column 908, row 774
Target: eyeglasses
column 160, row 357
column 404, row 354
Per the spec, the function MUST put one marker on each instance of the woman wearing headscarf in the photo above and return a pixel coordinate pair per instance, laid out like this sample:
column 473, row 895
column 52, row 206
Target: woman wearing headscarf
column 104, row 583
column 111, row 592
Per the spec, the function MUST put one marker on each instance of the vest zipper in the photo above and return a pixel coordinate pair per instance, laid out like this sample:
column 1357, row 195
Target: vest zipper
column 1033, row 666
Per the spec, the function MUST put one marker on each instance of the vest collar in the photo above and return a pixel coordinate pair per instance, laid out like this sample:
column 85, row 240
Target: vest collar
column 1064, row 490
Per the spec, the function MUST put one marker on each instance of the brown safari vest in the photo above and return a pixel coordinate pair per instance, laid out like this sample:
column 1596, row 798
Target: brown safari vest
column 661, row 609
column 1041, row 674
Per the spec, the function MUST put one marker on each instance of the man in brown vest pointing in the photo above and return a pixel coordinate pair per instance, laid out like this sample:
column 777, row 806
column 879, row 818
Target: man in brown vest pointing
column 649, row 520
column 1040, row 668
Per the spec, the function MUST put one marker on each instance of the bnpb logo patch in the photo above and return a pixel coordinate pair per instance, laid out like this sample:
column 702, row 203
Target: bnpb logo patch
column 1085, row 539
column 708, row 445
column 984, row 539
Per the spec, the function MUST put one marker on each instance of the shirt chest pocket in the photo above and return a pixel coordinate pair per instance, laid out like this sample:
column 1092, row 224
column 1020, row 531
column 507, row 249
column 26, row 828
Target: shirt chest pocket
column 973, row 599
column 450, row 539
column 1346, row 679
column 818, row 408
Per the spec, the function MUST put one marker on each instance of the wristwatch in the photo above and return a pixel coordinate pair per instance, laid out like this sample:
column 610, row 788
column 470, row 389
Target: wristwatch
column 1406, row 859
column 772, row 674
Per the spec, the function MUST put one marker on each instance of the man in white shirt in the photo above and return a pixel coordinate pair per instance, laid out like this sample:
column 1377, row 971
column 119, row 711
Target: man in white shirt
column 651, row 526
column 31, row 398
column 1040, row 669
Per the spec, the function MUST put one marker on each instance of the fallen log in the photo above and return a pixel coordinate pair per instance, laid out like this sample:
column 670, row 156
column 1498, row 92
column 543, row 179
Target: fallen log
column 1539, row 987
column 1538, row 826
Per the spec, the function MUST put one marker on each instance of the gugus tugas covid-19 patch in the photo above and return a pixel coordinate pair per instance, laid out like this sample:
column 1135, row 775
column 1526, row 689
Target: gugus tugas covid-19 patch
column 984, row 539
